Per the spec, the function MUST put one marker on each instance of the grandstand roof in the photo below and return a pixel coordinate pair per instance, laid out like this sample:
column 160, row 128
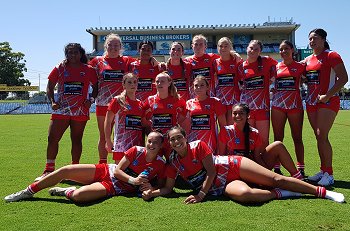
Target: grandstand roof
column 267, row 27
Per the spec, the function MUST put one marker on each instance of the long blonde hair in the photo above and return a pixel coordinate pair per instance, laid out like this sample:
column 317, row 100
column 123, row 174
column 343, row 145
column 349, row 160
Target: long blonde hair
column 121, row 98
column 172, row 88
column 111, row 37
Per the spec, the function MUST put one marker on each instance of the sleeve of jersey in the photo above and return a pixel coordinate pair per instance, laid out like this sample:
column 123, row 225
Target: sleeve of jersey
column 203, row 150
column 334, row 58
column 223, row 137
column 146, row 108
column 220, row 109
column 53, row 76
column 181, row 109
column 130, row 154
column 214, row 56
column 93, row 62
column 114, row 106
column 257, row 139
column 92, row 75
column 170, row 171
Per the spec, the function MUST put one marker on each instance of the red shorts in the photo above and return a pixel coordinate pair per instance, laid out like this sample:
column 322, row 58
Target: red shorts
column 67, row 117
column 288, row 111
column 101, row 110
column 102, row 176
column 117, row 156
column 233, row 172
column 259, row 114
column 333, row 104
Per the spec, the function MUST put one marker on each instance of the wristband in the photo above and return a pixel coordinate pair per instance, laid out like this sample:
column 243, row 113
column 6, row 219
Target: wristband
column 131, row 180
column 201, row 194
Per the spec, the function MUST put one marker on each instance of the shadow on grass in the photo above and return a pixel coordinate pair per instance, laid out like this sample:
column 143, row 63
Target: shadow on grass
column 337, row 184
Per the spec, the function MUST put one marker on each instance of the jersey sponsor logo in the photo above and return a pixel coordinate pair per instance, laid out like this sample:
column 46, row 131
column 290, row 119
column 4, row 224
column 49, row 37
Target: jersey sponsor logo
column 254, row 83
column 225, row 80
column 169, row 106
column 205, row 71
column 200, row 122
column 113, row 76
column 313, row 77
column 65, row 73
column 170, row 72
column 180, row 84
column 73, row 88
column 144, row 84
column 197, row 179
column 219, row 68
column 162, row 120
column 285, row 83
column 207, row 106
column 151, row 70
column 82, row 73
column 232, row 66
column 133, row 122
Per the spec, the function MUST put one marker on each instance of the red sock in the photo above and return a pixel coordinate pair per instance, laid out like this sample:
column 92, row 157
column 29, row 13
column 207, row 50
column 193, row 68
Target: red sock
column 297, row 175
column 329, row 170
column 33, row 188
column 320, row 191
column 103, row 161
column 277, row 192
column 75, row 162
column 300, row 165
column 69, row 193
column 50, row 167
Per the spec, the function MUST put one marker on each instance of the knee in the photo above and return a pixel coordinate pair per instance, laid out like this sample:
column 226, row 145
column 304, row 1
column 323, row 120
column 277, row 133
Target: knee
column 278, row 181
column 243, row 195
column 78, row 197
column 65, row 171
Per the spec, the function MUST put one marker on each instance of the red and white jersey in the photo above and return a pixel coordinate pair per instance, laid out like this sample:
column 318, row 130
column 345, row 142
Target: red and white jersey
column 181, row 75
column 226, row 81
column 235, row 140
column 164, row 112
column 146, row 74
column 287, row 86
column 202, row 66
column 256, row 81
column 320, row 74
column 127, row 126
column 110, row 76
column 203, row 115
column 138, row 163
column 72, row 88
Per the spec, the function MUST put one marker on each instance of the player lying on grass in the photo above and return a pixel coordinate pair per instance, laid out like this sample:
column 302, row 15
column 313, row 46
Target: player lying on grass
column 104, row 180
column 229, row 175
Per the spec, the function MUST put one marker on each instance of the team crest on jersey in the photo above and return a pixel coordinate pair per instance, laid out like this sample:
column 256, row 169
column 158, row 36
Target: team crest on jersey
column 219, row 68
column 82, row 73
column 155, row 106
column 293, row 70
column 128, row 106
column 65, row 73
column 207, row 106
column 195, row 161
column 170, row 72
column 169, row 106
column 232, row 66
column 135, row 162
column 136, row 71
column 151, row 70
column 206, row 60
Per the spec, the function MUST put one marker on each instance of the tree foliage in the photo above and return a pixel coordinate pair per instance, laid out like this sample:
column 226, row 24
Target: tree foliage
column 12, row 66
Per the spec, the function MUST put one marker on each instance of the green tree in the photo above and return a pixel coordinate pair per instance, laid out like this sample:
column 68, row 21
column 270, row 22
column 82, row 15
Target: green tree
column 12, row 66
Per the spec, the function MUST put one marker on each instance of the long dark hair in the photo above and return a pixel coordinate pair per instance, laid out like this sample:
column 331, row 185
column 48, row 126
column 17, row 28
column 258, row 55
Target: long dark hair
column 260, row 66
column 290, row 44
column 83, row 57
column 181, row 61
column 246, row 128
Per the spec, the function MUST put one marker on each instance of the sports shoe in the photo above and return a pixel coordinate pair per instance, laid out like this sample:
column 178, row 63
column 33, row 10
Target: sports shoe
column 316, row 177
column 326, row 180
column 45, row 173
column 302, row 172
column 58, row 191
column 21, row 195
column 335, row 196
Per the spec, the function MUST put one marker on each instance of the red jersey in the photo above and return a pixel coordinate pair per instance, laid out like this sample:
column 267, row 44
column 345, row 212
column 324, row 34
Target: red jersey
column 164, row 112
column 202, row 66
column 110, row 76
column 181, row 76
column 137, row 157
column 72, row 88
column 320, row 74
column 127, row 126
column 256, row 81
column 190, row 167
column 203, row 116
column 235, row 140
column 146, row 74
column 226, row 81
column 287, row 86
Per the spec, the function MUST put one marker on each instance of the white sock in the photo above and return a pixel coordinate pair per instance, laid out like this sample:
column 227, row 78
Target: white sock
column 334, row 196
column 281, row 193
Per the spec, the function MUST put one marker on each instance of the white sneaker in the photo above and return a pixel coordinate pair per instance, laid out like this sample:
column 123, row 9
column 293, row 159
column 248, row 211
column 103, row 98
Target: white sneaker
column 326, row 180
column 21, row 195
column 316, row 177
column 42, row 176
column 335, row 196
column 58, row 191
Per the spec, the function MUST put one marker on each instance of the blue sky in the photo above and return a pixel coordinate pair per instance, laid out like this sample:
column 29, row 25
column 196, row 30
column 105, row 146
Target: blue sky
column 40, row 29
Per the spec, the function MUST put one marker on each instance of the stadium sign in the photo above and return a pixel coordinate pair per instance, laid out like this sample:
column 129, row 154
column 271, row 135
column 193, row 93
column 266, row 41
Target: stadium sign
column 19, row 88
column 305, row 53
column 152, row 37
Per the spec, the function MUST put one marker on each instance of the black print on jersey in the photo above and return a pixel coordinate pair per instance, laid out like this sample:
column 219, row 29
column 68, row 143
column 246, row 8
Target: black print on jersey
column 73, row 88
column 113, row 76
column 285, row 83
column 225, row 80
column 200, row 122
column 256, row 82
column 313, row 77
column 133, row 122
column 144, row 85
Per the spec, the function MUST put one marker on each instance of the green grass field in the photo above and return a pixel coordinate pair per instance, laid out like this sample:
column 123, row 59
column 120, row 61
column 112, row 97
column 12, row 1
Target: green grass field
column 23, row 147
